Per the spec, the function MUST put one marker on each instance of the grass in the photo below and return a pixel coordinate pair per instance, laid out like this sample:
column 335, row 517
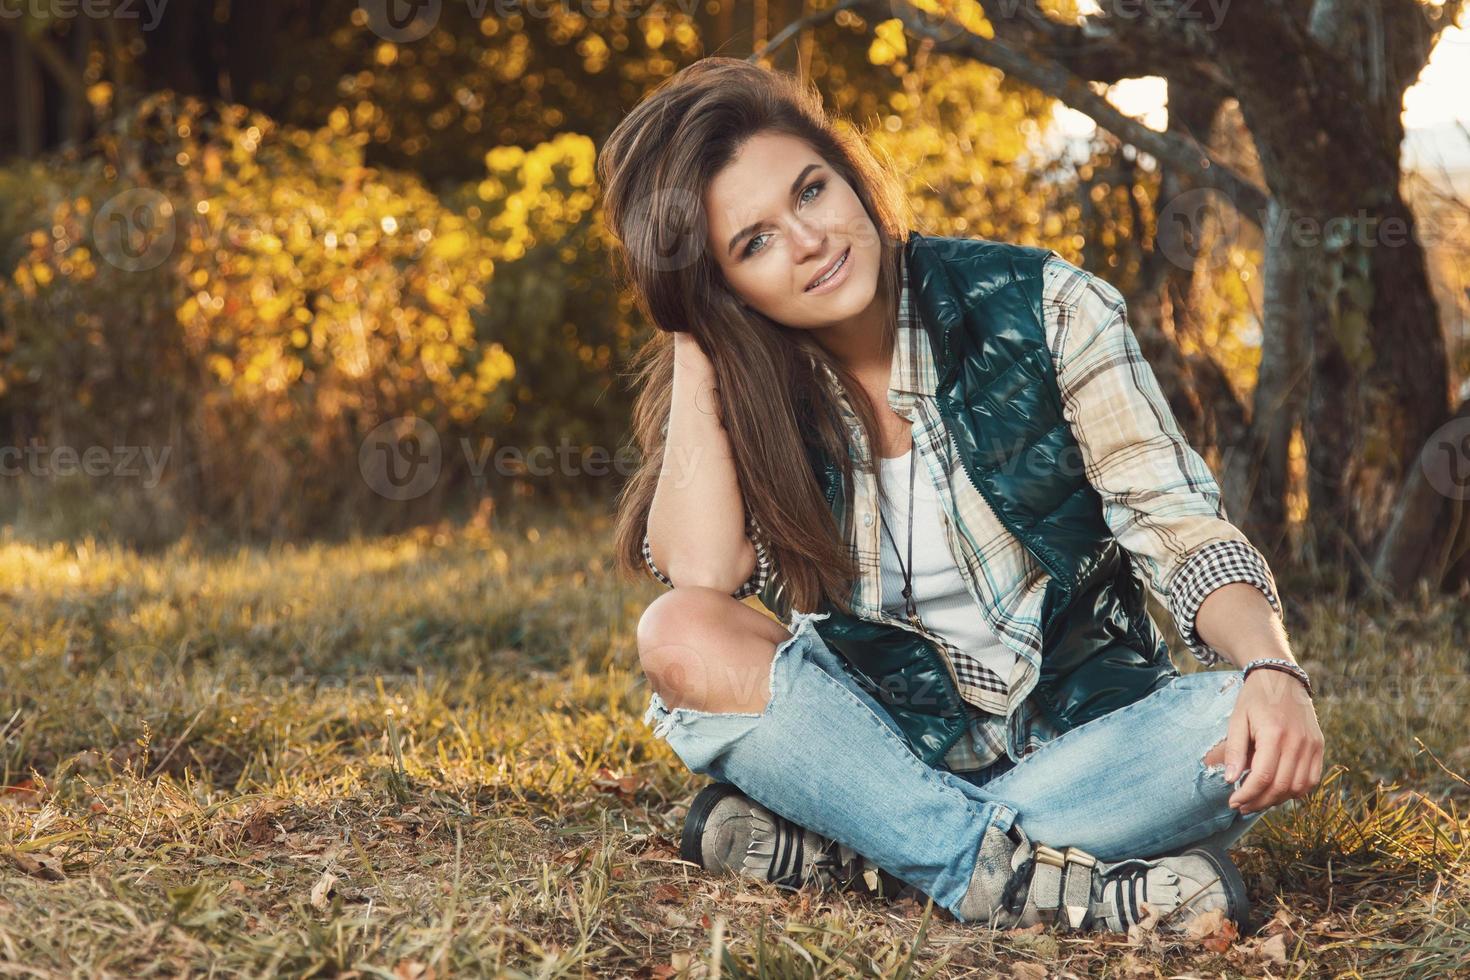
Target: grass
column 423, row 756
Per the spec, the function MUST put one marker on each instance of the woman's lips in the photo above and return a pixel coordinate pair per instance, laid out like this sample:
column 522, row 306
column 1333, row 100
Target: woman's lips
column 838, row 277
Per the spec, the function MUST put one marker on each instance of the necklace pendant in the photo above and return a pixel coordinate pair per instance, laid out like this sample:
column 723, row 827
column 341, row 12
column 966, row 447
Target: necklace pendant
column 911, row 610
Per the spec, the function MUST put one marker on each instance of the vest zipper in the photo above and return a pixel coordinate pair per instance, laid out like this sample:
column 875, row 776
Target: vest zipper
column 1013, row 722
column 965, row 465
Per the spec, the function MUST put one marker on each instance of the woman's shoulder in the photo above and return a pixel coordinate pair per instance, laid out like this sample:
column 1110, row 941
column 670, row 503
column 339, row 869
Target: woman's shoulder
column 1066, row 286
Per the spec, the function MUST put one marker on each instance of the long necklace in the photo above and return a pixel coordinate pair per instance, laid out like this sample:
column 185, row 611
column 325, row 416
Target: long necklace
column 911, row 608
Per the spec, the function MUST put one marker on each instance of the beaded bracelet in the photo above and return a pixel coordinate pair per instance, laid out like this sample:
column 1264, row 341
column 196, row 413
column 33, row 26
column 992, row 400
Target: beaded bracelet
column 1285, row 666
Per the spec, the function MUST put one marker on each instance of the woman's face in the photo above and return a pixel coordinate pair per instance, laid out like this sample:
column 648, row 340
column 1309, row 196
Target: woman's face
column 778, row 218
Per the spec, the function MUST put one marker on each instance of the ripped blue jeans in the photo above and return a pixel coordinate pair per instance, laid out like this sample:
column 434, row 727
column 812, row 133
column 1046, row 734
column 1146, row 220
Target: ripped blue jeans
column 824, row 754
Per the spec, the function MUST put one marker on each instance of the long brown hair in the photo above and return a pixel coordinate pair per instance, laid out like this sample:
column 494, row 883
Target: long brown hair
column 772, row 400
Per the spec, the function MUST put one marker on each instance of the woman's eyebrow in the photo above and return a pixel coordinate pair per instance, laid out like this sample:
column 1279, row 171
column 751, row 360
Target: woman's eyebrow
column 794, row 185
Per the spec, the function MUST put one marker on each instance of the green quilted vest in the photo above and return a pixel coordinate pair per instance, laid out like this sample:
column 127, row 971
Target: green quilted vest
column 980, row 305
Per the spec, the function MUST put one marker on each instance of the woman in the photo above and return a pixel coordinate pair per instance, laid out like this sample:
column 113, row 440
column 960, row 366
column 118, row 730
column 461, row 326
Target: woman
column 970, row 697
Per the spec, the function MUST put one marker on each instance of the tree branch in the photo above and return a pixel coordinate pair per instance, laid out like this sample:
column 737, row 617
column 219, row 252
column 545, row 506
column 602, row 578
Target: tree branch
column 1180, row 152
column 799, row 25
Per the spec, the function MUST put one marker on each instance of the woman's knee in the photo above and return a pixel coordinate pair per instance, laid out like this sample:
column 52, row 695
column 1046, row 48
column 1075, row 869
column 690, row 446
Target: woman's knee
column 703, row 649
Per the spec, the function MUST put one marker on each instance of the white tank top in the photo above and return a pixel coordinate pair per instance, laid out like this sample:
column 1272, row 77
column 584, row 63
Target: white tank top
column 945, row 605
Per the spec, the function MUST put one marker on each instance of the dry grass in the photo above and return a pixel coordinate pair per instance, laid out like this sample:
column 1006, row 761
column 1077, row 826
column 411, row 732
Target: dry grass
column 423, row 756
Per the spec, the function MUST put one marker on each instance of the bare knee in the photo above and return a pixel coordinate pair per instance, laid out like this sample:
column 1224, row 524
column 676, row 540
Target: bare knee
column 702, row 649
column 1216, row 755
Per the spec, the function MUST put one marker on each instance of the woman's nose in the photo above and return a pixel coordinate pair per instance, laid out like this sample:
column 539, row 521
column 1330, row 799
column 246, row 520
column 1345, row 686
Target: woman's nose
column 807, row 236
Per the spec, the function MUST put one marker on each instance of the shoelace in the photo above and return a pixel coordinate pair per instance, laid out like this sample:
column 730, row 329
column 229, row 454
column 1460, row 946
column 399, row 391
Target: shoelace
column 1128, row 889
column 833, row 865
column 836, row 866
column 1013, row 896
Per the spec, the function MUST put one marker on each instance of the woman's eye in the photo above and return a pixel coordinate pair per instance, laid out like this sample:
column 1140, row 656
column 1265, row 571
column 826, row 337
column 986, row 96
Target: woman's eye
column 816, row 185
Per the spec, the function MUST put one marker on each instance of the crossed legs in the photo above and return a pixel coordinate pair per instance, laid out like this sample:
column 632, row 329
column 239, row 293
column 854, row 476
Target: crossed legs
column 774, row 712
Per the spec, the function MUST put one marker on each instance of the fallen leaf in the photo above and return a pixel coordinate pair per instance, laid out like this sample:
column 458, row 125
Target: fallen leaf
column 41, row 866
column 1028, row 971
column 1273, row 949
column 23, row 793
column 1205, row 924
column 1140, row 932
column 624, row 786
column 1034, row 929
column 259, row 827
column 321, row 890
column 1280, row 922
column 675, row 919
column 1212, row 930
column 667, row 893
column 1135, row 966
column 410, row 970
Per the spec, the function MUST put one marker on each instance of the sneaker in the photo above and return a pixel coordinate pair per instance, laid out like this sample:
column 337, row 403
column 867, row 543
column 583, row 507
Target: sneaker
column 1180, row 887
column 1018, row 883
column 728, row 832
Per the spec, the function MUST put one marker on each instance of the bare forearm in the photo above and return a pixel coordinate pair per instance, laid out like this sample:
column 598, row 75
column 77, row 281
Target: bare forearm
column 1238, row 620
column 696, row 525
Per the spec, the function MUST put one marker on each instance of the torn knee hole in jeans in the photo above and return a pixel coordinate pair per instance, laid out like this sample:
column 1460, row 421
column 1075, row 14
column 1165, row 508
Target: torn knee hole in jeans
column 1214, row 760
column 663, row 718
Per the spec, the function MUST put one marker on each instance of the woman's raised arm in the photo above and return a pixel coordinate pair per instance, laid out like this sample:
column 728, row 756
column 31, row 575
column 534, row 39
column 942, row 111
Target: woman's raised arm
column 698, row 532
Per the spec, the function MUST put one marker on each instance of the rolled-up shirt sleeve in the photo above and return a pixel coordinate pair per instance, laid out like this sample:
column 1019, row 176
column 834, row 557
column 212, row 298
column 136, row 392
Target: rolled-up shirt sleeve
column 752, row 586
column 1159, row 498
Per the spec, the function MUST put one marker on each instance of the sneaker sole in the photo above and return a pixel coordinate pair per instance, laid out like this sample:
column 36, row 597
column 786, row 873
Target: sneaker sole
column 1235, row 894
column 699, row 811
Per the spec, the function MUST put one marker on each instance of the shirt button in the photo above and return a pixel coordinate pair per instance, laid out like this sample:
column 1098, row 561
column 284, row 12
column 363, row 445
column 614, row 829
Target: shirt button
column 867, row 520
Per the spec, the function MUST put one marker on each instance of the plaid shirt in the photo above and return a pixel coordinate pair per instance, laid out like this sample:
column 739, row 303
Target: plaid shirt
column 1159, row 499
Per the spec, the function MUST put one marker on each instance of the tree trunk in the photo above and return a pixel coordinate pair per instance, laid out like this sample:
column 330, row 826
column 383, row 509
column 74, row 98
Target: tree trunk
column 1257, row 482
column 76, row 114
column 27, row 95
column 1428, row 536
column 1333, row 419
